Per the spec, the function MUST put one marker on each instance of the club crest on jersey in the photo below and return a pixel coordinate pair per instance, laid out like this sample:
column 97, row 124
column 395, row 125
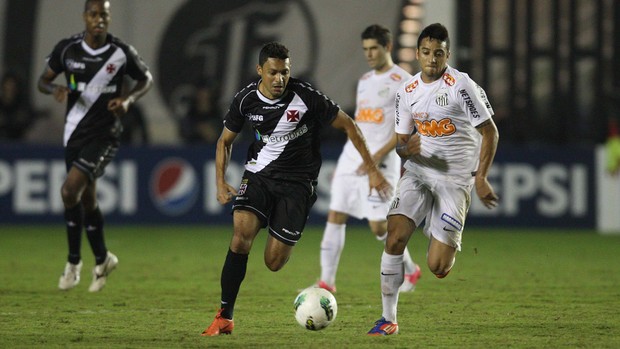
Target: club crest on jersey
column 111, row 68
column 449, row 79
column 409, row 88
column 442, row 99
column 292, row 115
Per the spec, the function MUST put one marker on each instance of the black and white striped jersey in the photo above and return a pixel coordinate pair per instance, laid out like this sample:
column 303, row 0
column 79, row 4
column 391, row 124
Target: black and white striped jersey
column 95, row 76
column 286, row 130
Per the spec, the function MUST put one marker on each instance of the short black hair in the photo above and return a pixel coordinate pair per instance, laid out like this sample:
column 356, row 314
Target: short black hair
column 435, row 31
column 379, row 33
column 87, row 3
column 272, row 50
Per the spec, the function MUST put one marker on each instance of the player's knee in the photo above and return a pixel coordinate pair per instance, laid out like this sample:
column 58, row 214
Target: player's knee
column 439, row 268
column 275, row 264
column 69, row 195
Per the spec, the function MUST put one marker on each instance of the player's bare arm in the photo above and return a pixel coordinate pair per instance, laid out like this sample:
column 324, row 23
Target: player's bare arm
column 120, row 105
column 379, row 154
column 225, row 192
column 408, row 145
column 375, row 177
column 490, row 137
column 46, row 85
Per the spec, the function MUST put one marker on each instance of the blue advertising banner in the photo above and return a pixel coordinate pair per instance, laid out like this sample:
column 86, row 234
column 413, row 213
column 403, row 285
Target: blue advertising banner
column 538, row 187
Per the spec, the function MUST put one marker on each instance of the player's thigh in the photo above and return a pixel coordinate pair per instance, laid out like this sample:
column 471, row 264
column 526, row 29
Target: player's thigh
column 277, row 253
column 246, row 226
column 347, row 192
column 446, row 220
column 292, row 204
column 93, row 157
column 412, row 199
column 440, row 256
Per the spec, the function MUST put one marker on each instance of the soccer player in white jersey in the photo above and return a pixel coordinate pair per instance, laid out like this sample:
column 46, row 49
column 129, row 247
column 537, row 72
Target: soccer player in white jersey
column 350, row 195
column 446, row 132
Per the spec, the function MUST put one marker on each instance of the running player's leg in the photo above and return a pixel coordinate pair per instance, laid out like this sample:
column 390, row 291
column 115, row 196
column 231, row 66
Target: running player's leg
column 293, row 201
column 71, row 193
column 332, row 245
column 444, row 226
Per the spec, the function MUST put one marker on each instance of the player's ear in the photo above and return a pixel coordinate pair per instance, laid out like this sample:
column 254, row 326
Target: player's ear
column 259, row 70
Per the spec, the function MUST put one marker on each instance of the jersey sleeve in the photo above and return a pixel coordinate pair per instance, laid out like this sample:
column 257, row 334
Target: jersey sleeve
column 404, row 123
column 474, row 102
column 136, row 68
column 234, row 119
column 54, row 59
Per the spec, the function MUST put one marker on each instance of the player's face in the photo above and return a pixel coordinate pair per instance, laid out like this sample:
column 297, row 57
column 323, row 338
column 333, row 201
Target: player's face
column 376, row 55
column 433, row 57
column 275, row 74
column 97, row 18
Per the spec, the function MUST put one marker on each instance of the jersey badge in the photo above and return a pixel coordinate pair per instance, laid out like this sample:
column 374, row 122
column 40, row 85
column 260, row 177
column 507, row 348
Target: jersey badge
column 395, row 77
column 442, row 99
column 409, row 88
column 449, row 79
column 292, row 115
column 110, row 68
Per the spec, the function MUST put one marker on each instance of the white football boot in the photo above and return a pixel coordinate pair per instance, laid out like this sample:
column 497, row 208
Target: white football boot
column 70, row 277
column 101, row 272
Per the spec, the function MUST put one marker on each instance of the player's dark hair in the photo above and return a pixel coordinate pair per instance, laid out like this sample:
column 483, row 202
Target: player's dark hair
column 435, row 31
column 272, row 50
column 379, row 33
column 87, row 3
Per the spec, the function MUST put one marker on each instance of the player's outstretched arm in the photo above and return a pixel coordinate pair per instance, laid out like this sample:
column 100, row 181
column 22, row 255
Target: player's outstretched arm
column 225, row 192
column 375, row 178
column 490, row 137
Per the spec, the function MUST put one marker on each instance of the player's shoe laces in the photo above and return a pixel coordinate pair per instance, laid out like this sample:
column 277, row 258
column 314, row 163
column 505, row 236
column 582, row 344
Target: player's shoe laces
column 219, row 326
column 383, row 328
column 324, row 285
column 70, row 277
column 101, row 272
column 411, row 280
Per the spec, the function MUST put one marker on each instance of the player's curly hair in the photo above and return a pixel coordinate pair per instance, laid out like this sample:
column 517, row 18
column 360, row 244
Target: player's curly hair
column 272, row 50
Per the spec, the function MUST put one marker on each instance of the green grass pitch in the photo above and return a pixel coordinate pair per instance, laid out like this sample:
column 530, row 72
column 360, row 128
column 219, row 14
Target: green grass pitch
column 508, row 289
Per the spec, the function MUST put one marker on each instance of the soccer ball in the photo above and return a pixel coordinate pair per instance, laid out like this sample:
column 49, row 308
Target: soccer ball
column 315, row 308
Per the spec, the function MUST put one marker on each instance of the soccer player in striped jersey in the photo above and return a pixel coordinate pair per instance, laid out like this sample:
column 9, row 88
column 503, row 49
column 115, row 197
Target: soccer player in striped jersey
column 278, row 187
column 93, row 63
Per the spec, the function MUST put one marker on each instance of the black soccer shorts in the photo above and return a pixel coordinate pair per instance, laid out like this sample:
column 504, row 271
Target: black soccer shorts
column 282, row 205
column 92, row 157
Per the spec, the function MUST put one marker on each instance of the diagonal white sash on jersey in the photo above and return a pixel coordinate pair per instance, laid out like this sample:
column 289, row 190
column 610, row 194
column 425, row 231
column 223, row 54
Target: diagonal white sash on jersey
column 282, row 134
column 91, row 93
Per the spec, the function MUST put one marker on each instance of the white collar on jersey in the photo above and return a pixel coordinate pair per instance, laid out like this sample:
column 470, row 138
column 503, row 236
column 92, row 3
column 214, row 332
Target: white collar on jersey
column 94, row 52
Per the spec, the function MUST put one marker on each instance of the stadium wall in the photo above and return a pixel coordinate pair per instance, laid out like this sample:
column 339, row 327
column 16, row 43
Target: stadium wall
column 539, row 187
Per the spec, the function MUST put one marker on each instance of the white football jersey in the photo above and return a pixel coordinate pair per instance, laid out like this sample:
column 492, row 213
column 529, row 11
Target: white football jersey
column 445, row 113
column 374, row 115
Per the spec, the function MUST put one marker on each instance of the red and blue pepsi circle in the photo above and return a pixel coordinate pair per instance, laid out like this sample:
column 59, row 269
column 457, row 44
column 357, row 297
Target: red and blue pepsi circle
column 174, row 186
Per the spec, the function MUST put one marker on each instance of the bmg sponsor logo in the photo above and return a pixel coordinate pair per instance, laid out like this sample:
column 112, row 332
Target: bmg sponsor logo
column 174, row 186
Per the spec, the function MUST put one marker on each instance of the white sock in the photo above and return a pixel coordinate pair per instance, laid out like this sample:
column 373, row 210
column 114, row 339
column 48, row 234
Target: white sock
column 409, row 263
column 331, row 248
column 392, row 276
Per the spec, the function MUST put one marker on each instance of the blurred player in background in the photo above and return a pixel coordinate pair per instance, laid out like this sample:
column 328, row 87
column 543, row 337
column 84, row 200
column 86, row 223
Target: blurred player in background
column 279, row 183
column 447, row 135
column 94, row 63
column 350, row 195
